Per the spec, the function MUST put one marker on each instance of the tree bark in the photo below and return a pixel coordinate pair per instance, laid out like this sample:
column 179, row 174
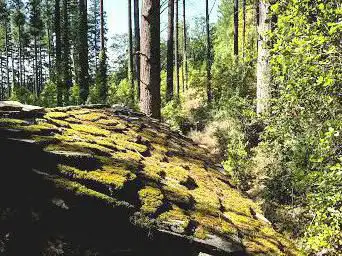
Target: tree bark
column 263, row 66
column 150, row 59
column 170, row 43
column 58, row 53
column 83, row 52
column 7, row 59
column 130, row 50
column 244, row 28
column 137, row 43
column 236, row 28
column 209, row 91
column 177, row 47
column 185, row 55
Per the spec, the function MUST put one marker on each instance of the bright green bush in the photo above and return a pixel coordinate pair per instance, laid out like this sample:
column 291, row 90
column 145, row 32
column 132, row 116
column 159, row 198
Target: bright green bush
column 306, row 122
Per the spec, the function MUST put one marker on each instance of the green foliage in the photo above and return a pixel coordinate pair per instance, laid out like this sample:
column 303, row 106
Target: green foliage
column 75, row 95
column 306, row 121
column 120, row 93
column 22, row 95
column 48, row 97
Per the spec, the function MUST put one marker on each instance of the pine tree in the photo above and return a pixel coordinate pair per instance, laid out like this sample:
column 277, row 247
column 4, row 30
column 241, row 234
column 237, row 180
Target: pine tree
column 236, row 28
column 137, row 43
column 130, row 49
column 83, row 52
column 209, row 90
column 263, row 67
column 177, row 47
column 102, row 72
column 170, row 43
column 66, row 51
column 150, row 101
column 185, row 54
column 36, row 28
column 58, row 64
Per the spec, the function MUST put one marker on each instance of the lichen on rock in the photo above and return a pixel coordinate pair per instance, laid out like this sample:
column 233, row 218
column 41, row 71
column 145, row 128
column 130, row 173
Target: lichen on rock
column 166, row 180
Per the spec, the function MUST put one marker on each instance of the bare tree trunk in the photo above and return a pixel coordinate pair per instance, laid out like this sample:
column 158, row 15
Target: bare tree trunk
column 150, row 59
column 177, row 47
column 170, row 43
column 244, row 29
column 130, row 48
column 263, row 66
column 7, row 60
column 36, row 68
column 185, row 55
column 209, row 91
column 137, row 43
column 83, row 52
column 236, row 28
column 58, row 53
column 20, row 57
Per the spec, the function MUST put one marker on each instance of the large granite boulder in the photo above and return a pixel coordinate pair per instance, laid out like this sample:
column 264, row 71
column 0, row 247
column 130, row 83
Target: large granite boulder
column 108, row 181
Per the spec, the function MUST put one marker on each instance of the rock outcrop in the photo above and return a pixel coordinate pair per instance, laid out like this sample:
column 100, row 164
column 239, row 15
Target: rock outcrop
column 113, row 182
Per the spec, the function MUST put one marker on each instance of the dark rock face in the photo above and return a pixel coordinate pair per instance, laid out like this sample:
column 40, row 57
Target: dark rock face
column 99, row 181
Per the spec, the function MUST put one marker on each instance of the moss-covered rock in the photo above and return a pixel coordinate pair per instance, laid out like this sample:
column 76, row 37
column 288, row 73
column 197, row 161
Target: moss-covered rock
column 138, row 164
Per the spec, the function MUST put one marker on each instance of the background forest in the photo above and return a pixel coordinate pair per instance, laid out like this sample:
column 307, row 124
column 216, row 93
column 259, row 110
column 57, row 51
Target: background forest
column 261, row 88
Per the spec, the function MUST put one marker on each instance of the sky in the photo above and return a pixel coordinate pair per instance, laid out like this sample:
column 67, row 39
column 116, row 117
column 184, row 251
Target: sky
column 117, row 14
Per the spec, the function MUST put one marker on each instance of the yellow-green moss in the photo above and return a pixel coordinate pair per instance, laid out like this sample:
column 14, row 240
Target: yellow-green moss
column 175, row 215
column 91, row 129
column 151, row 199
column 127, row 156
column 91, row 116
column 80, row 190
column 12, row 122
column 56, row 115
column 123, row 142
column 215, row 223
column 104, row 177
column 206, row 200
column 200, row 233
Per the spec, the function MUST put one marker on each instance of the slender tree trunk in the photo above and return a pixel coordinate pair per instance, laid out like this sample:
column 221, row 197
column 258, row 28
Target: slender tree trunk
column 36, row 68
column 236, row 28
column 20, row 57
column 103, row 59
column 209, row 91
column 169, row 65
column 185, row 54
column 130, row 49
column 137, row 43
column 177, row 48
column 83, row 52
column 244, row 28
column 263, row 66
column 150, row 59
column 58, row 53
column 7, row 60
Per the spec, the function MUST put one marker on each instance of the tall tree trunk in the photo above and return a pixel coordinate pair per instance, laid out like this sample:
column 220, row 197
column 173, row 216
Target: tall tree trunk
column 263, row 66
column 169, row 65
column 7, row 60
column 209, row 91
column 103, row 58
column 185, row 54
column 244, row 28
column 36, row 67
column 236, row 28
column 83, row 52
column 137, row 43
column 20, row 57
column 130, row 50
column 177, row 47
column 58, row 53
column 150, row 59
column 67, row 75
